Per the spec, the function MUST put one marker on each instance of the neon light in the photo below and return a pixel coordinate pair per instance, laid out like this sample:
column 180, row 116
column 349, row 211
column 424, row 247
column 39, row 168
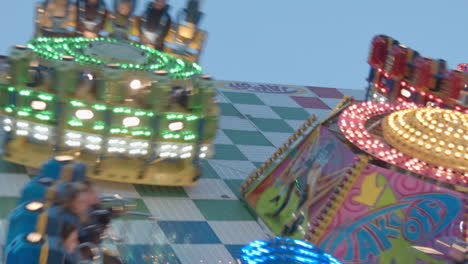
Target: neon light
column 353, row 125
column 285, row 250
column 76, row 103
column 75, row 123
column 100, row 107
column 45, row 97
column 25, row 92
column 56, row 48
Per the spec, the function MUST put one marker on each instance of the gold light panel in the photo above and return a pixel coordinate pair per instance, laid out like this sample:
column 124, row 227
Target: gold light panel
column 438, row 136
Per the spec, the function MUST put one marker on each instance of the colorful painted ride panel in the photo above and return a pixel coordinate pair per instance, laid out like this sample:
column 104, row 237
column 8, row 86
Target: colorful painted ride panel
column 292, row 196
column 386, row 213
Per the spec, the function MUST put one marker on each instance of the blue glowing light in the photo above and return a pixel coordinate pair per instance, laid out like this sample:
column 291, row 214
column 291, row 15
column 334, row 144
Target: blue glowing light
column 285, row 250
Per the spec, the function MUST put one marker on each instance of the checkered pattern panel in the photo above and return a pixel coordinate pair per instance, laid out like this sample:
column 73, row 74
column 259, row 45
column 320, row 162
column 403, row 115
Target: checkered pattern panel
column 207, row 223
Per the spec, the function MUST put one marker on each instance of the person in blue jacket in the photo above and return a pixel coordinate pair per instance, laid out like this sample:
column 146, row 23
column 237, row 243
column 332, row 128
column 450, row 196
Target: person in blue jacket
column 71, row 206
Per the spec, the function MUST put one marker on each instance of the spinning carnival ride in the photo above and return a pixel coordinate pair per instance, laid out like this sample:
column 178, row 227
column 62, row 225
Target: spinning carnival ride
column 132, row 113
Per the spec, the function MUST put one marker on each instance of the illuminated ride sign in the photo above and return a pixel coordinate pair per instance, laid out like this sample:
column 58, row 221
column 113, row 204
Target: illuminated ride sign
column 263, row 88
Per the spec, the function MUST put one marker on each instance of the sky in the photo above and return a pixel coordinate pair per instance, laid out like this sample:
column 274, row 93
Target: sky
column 300, row 42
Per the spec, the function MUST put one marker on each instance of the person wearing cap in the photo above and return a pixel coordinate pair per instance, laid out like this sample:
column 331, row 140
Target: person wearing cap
column 155, row 24
column 56, row 19
column 91, row 17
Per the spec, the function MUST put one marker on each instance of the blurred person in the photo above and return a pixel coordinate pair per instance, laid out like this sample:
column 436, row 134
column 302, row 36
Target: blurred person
column 190, row 16
column 56, row 19
column 91, row 17
column 71, row 205
column 122, row 25
column 193, row 14
column 155, row 24
column 96, row 222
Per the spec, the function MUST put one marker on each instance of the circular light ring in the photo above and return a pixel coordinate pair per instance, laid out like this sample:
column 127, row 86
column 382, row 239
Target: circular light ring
column 438, row 136
column 56, row 48
column 352, row 124
column 285, row 250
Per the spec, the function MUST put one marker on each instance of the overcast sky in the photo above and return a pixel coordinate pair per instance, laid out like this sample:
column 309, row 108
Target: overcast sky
column 305, row 42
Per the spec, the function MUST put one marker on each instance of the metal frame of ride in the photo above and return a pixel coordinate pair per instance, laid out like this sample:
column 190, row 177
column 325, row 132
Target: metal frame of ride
column 401, row 74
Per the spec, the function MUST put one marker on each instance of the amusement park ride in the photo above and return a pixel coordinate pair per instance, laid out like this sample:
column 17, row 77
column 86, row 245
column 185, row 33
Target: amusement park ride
column 132, row 113
column 100, row 95
column 380, row 181
column 92, row 91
